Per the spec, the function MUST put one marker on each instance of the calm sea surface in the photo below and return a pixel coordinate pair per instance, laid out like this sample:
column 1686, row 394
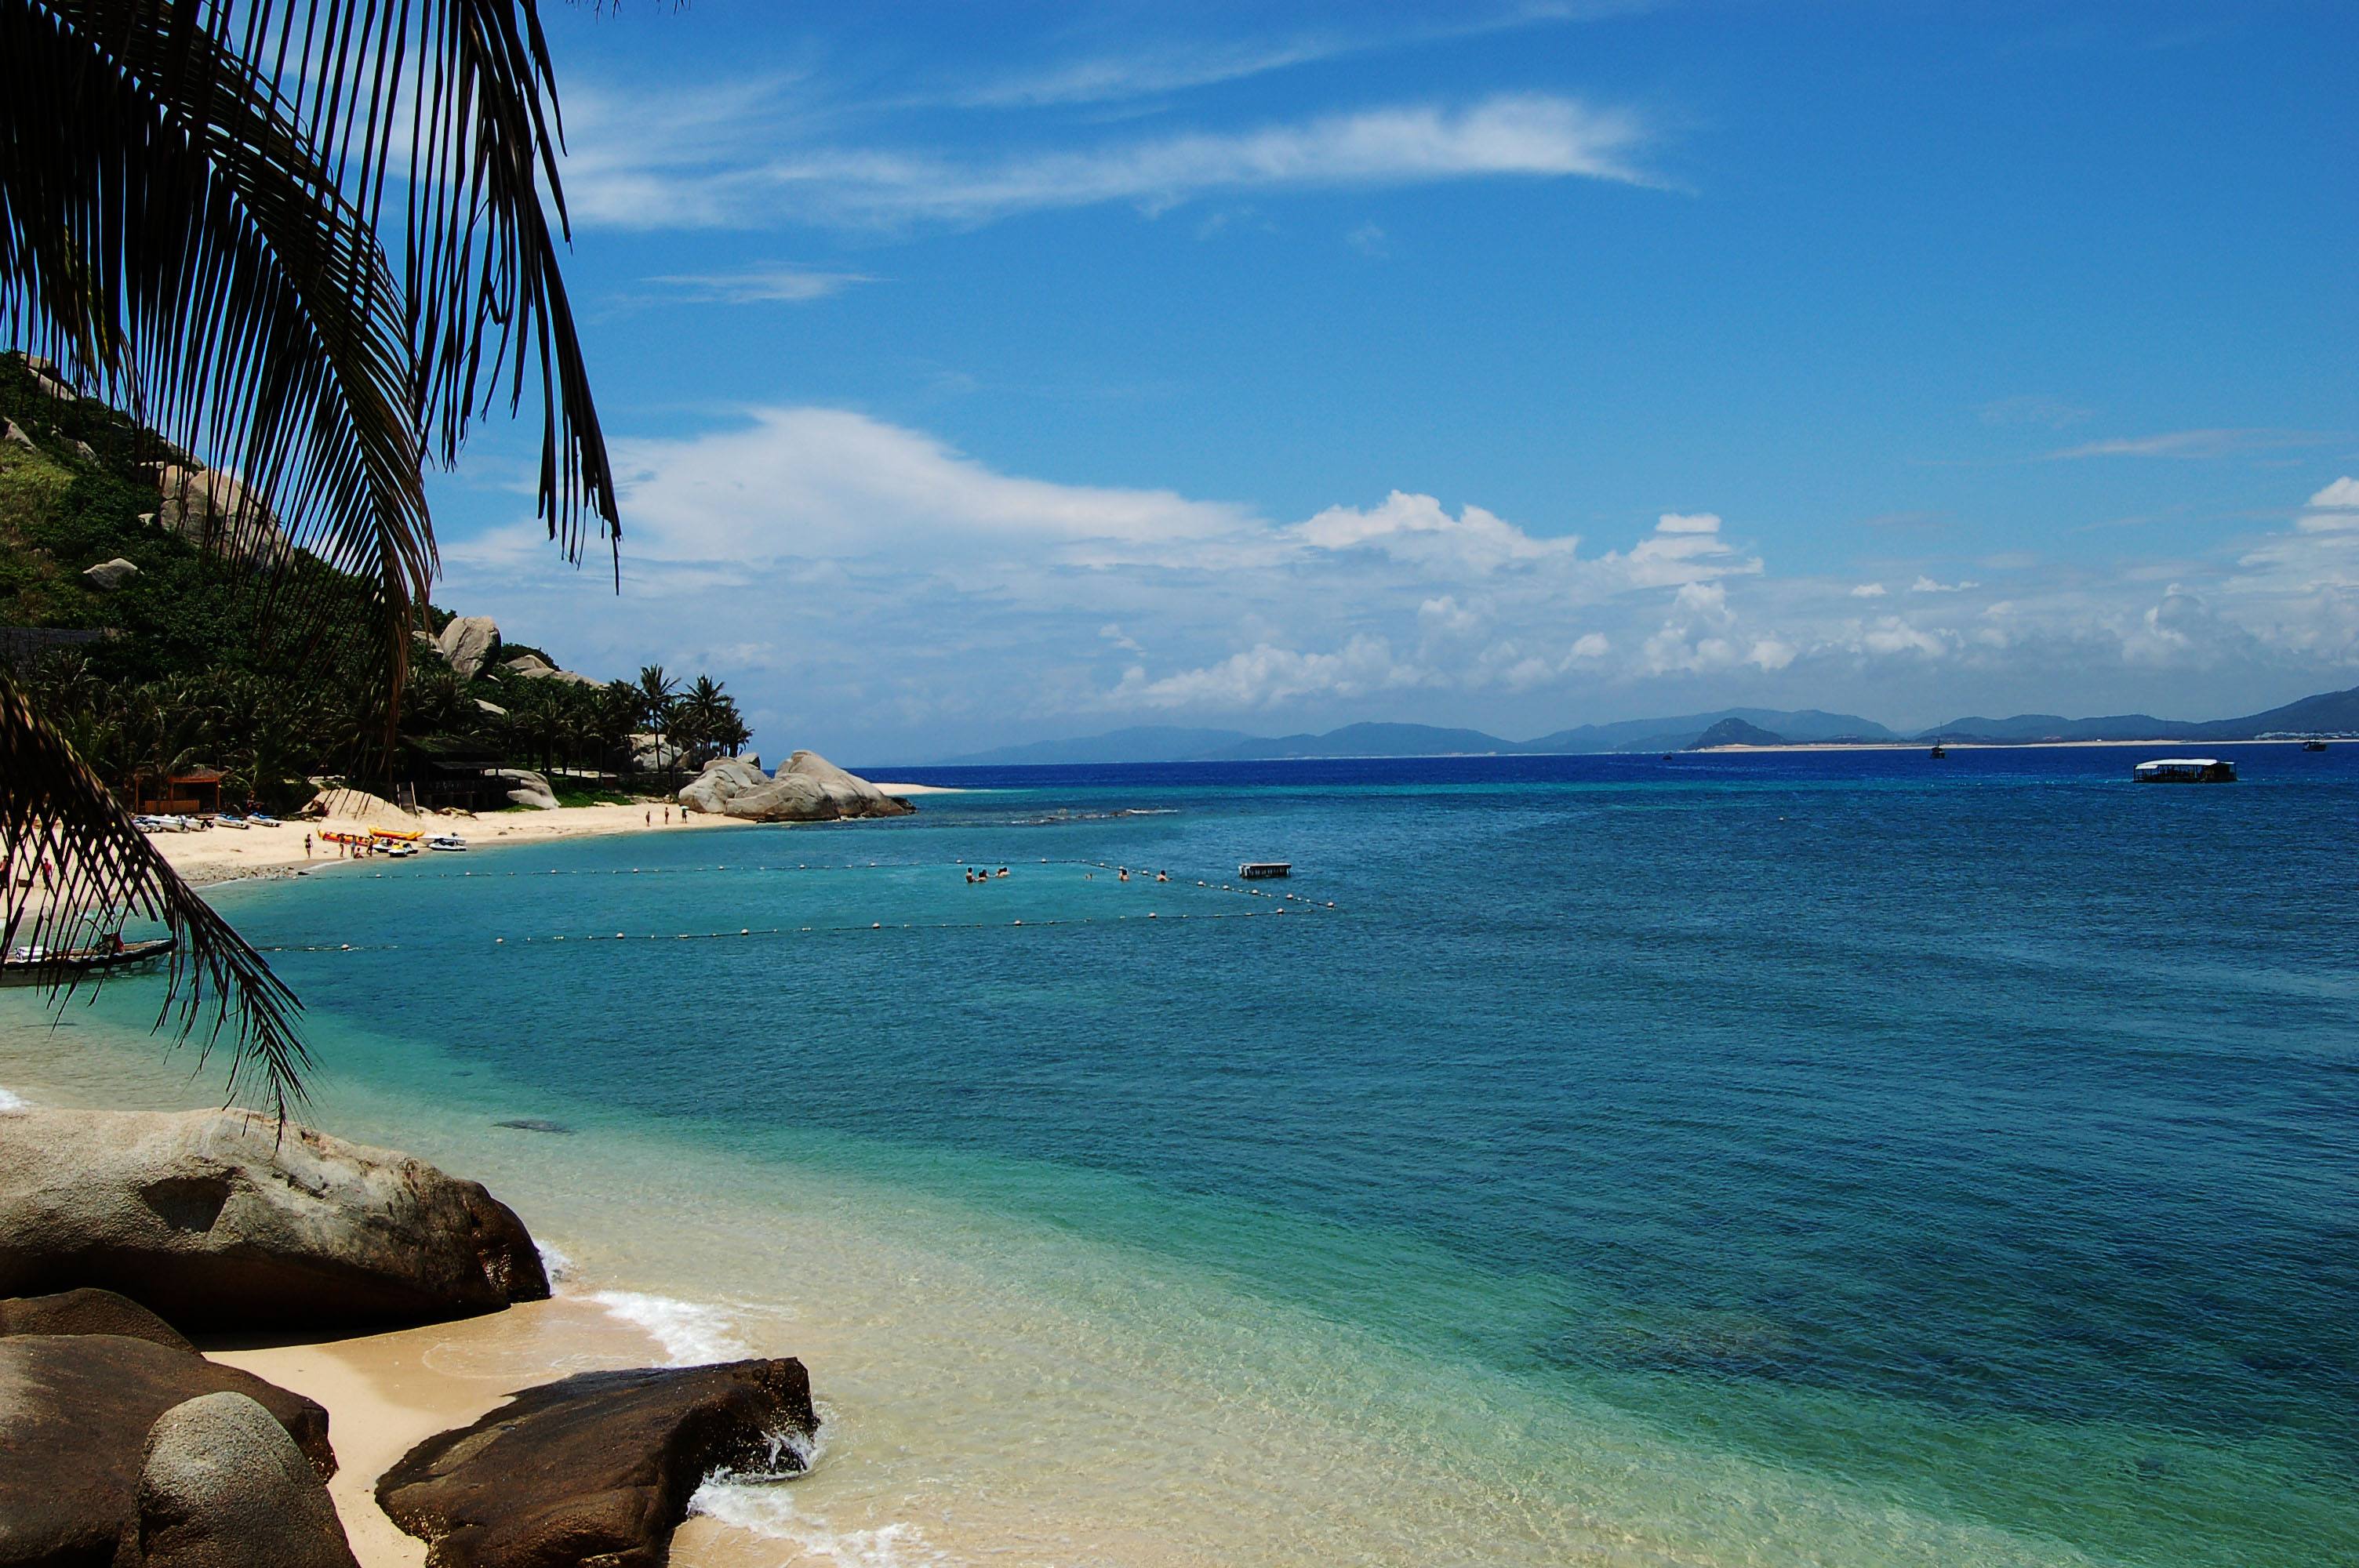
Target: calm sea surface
column 1786, row 1159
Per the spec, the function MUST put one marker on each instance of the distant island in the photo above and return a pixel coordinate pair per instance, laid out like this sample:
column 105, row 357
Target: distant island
column 2328, row 714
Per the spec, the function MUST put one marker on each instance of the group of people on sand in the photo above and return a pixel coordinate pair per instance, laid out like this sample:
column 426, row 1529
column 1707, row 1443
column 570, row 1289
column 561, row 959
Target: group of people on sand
column 981, row 875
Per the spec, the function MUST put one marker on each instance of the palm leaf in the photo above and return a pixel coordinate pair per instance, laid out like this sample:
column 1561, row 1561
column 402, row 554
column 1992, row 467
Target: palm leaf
column 53, row 809
column 190, row 198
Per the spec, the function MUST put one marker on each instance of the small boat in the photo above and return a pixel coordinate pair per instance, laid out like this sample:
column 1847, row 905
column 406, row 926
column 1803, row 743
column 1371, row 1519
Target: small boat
column 1939, row 750
column 398, row 849
column 28, row 966
column 2186, row 770
column 230, row 819
column 1259, row 871
column 446, row 841
column 2313, row 745
column 259, row 820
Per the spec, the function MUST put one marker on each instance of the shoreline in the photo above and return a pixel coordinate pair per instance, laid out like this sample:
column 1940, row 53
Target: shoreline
column 222, row 855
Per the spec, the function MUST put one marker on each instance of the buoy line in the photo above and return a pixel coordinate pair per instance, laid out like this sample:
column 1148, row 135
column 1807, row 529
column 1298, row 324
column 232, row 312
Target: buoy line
column 758, row 931
column 1299, row 899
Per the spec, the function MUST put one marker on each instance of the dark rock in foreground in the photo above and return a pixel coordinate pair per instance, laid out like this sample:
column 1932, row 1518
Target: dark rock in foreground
column 89, row 1312
column 596, row 1469
column 75, row 1412
column 223, row 1487
column 218, row 1219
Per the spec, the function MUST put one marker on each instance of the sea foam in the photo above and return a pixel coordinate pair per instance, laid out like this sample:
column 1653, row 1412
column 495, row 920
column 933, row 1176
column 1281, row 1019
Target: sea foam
column 690, row 1335
column 10, row 1103
column 767, row 1510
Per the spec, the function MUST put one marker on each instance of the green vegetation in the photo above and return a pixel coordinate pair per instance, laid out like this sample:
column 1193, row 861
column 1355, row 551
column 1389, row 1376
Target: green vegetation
column 191, row 667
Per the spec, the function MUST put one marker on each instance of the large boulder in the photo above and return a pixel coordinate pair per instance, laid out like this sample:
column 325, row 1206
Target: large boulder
column 88, row 1312
column 467, row 642
column 783, row 799
column 214, row 512
column 598, row 1467
column 809, row 788
column 724, row 778
column 530, row 667
column 574, row 678
column 108, row 575
column 221, row 1485
column 75, row 1412
column 650, row 752
column 851, row 794
column 527, row 788
column 219, row 1220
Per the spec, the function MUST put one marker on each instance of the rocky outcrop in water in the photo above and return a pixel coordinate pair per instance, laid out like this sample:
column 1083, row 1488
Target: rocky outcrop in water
column 221, row 1219
column 221, row 1485
column 809, row 789
column 75, row 1415
column 596, row 1469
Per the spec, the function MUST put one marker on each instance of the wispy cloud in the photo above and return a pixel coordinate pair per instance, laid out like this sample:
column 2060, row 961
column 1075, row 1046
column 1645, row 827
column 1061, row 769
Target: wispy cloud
column 704, row 178
column 757, row 285
column 2220, row 443
column 791, row 548
column 2033, row 409
column 1178, row 65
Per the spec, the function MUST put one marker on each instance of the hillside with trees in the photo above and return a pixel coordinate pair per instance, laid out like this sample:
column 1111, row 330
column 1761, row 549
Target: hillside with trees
column 143, row 605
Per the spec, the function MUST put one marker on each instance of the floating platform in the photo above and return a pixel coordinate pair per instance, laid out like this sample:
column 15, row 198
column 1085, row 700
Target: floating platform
column 2186, row 770
column 1257, row 871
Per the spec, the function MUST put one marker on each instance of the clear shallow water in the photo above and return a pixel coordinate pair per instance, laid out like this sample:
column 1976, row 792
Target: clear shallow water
column 1789, row 1159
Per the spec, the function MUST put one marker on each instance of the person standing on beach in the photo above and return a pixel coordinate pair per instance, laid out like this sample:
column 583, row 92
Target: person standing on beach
column 307, row 846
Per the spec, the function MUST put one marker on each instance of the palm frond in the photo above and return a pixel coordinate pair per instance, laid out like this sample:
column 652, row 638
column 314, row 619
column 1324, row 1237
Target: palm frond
column 76, row 859
column 191, row 198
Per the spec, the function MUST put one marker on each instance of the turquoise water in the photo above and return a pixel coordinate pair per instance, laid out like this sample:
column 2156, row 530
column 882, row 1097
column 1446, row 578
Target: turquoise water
column 1789, row 1159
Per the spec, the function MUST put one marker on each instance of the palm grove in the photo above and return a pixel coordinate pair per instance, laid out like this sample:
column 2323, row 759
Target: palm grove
column 309, row 243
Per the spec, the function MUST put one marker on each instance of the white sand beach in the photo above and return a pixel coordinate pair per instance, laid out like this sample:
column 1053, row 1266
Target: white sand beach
column 225, row 854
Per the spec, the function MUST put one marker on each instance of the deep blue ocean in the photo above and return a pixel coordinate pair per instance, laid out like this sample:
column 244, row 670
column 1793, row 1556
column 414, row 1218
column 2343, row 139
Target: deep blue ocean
column 1973, row 1141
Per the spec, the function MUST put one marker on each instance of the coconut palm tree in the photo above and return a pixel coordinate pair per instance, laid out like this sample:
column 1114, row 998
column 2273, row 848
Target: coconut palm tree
column 201, row 205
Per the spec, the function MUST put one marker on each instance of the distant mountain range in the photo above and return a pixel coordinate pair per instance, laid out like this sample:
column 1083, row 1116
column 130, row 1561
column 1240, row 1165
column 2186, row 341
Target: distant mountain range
column 2329, row 713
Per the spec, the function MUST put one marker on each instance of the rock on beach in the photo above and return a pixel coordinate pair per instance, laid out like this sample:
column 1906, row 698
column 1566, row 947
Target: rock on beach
column 75, row 1414
column 221, row 1485
column 220, row 1219
column 597, row 1467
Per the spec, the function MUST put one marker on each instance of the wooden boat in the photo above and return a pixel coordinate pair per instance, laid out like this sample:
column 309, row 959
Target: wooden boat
column 1256, row 870
column 2186, row 770
column 28, row 966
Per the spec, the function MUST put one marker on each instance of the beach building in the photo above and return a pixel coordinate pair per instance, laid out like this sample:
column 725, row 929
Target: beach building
column 195, row 792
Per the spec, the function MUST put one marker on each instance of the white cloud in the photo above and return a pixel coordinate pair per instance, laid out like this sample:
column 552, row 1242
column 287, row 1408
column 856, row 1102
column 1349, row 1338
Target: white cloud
column 699, row 159
column 2218, row 443
column 2343, row 493
column 1177, row 65
column 1868, row 591
column 1927, row 585
column 846, row 573
column 759, row 284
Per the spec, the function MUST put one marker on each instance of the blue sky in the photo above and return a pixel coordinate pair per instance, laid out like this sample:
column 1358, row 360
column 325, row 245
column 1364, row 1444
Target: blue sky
column 981, row 374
